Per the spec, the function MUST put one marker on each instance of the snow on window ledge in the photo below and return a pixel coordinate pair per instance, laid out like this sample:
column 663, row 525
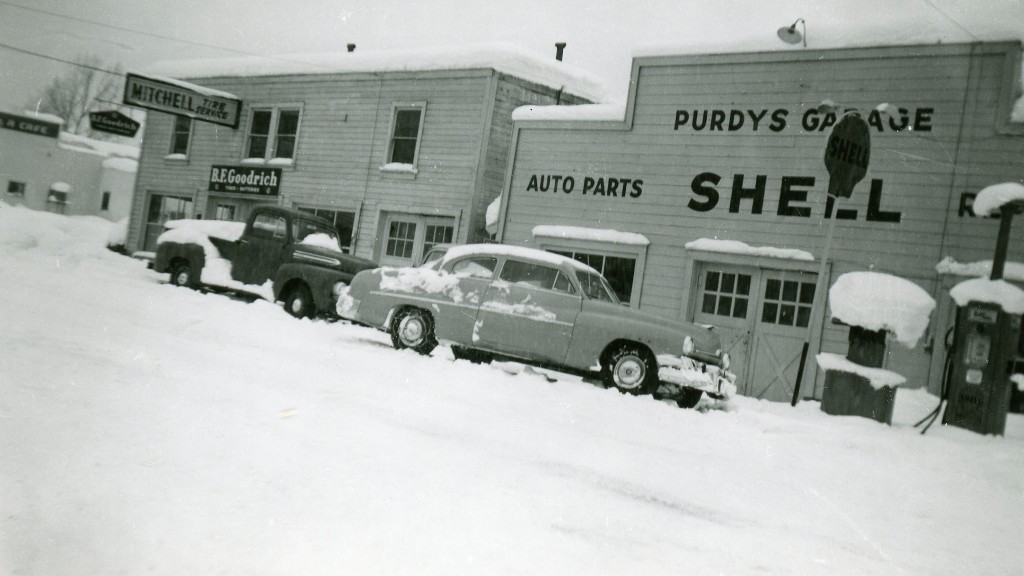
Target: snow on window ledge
column 176, row 158
column 878, row 377
column 744, row 249
column 258, row 161
column 281, row 162
column 399, row 167
column 591, row 235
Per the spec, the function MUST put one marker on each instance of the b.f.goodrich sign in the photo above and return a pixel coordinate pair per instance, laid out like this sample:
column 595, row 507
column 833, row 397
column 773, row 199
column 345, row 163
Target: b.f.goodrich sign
column 254, row 180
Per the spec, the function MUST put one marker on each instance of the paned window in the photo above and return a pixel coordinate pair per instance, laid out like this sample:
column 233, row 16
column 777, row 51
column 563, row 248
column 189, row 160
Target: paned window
column 787, row 302
column 437, row 234
column 273, row 133
column 181, row 135
column 401, row 239
column 15, row 188
column 344, row 223
column 225, row 212
column 618, row 270
column 405, row 135
column 726, row 294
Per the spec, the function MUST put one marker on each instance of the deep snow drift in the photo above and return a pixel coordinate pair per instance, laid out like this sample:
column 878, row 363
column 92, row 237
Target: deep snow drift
column 152, row 429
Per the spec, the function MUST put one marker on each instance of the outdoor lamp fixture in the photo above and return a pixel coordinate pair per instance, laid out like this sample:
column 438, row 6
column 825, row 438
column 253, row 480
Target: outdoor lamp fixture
column 789, row 35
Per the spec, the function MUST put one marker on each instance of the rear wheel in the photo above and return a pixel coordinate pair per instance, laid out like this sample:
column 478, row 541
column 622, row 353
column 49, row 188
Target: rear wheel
column 413, row 328
column 299, row 302
column 182, row 275
column 631, row 369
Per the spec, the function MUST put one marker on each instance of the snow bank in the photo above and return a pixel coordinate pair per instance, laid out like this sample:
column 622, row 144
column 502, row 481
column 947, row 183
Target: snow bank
column 505, row 58
column 592, row 112
column 878, row 377
column 992, row 198
column 118, row 233
column 744, row 249
column 982, row 268
column 591, row 234
column 1000, row 292
column 877, row 301
column 223, row 229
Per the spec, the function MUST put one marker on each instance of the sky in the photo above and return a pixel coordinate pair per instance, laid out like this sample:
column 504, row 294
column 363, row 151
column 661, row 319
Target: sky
column 601, row 36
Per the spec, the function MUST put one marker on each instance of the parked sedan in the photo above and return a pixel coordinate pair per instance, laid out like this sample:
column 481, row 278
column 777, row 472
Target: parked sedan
column 541, row 308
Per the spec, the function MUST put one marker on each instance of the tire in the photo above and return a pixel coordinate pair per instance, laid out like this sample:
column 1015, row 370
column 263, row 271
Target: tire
column 413, row 328
column 182, row 275
column 689, row 398
column 299, row 302
column 631, row 369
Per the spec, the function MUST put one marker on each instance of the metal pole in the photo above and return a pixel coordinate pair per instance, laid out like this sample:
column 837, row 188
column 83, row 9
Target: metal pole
column 1003, row 240
column 820, row 286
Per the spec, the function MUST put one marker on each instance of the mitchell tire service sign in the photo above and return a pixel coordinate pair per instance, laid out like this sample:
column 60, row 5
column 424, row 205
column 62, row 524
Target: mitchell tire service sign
column 245, row 180
column 182, row 99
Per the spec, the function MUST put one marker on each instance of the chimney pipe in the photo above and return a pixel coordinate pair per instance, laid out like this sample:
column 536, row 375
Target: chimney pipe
column 559, row 49
column 351, row 47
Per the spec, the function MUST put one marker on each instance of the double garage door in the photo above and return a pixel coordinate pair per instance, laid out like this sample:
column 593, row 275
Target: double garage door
column 763, row 317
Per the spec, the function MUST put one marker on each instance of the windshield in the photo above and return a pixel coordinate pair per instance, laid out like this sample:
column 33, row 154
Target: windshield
column 596, row 287
column 315, row 234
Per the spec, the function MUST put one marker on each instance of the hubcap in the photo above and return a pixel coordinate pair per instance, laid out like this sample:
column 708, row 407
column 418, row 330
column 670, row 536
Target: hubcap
column 629, row 372
column 411, row 330
column 297, row 304
column 181, row 278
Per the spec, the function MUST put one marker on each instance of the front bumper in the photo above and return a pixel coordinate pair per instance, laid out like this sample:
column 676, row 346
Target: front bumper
column 677, row 372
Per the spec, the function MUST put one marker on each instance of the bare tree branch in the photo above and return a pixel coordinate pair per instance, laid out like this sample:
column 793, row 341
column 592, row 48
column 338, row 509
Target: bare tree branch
column 82, row 90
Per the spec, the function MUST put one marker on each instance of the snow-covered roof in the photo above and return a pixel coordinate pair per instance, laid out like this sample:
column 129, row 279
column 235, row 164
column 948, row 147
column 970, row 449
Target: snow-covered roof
column 504, row 58
column 591, row 234
column 122, row 164
column 193, row 87
column 983, row 268
column 99, row 146
column 43, row 116
column 590, row 112
column 991, row 198
column 520, row 251
column 60, row 187
column 877, row 301
column 999, row 292
column 744, row 249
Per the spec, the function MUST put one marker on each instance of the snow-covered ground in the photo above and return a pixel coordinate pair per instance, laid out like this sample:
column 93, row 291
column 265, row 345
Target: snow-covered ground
column 147, row 429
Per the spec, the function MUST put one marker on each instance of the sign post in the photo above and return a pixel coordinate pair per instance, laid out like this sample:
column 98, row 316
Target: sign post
column 847, row 154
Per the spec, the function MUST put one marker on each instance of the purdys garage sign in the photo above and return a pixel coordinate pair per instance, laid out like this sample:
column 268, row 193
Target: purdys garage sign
column 183, row 99
column 778, row 120
column 245, row 180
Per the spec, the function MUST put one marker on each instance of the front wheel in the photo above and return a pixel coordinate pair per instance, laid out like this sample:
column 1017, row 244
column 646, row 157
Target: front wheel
column 631, row 369
column 299, row 302
column 413, row 328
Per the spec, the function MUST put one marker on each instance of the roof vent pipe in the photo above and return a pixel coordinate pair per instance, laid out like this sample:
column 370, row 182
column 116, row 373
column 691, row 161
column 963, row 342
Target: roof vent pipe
column 351, row 47
column 559, row 49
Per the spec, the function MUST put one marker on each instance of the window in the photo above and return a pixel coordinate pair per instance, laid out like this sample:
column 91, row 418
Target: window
column 437, row 234
column 405, row 134
column 224, row 212
column 476, row 267
column 181, row 134
column 16, row 188
column 273, row 133
column 105, row 202
column 535, row 276
column 267, row 226
column 726, row 294
column 344, row 224
column 618, row 270
column 787, row 302
column 57, row 201
column 401, row 239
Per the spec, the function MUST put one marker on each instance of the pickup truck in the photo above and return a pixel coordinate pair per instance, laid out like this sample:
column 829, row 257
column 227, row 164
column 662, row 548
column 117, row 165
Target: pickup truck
column 278, row 254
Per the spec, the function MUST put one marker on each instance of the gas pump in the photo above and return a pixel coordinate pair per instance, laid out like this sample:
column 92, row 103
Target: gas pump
column 984, row 348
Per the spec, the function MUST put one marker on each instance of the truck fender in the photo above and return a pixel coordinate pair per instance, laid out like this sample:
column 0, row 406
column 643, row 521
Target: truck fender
column 320, row 280
column 169, row 253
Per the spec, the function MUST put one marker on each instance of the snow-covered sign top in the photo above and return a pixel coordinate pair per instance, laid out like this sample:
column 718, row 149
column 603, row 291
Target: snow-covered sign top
column 744, row 249
column 1000, row 292
column 591, row 234
column 992, row 198
column 948, row 265
column 877, row 301
column 504, row 58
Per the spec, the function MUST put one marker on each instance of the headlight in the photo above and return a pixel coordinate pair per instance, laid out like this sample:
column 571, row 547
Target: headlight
column 726, row 361
column 688, row 345
column 338, row 288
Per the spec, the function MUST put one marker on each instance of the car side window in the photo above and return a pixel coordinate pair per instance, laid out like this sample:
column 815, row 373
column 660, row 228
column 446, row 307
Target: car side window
column 528, row 274
column 267, row 226
column 562, row 284
column 475, row 267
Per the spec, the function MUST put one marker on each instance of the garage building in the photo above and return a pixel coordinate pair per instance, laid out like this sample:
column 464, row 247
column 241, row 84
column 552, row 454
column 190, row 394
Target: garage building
column 704, row 196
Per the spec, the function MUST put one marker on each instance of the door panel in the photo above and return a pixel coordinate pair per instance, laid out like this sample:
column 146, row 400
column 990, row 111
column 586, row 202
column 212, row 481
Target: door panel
column 781, row 328
column 161, row 209
column 727, row 298
column 259, row 254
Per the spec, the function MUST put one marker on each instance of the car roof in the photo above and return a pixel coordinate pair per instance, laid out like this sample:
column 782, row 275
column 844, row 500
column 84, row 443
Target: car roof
column 515, row 251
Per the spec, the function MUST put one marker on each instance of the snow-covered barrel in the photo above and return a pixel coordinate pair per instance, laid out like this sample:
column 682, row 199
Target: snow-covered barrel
column 873, row 305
